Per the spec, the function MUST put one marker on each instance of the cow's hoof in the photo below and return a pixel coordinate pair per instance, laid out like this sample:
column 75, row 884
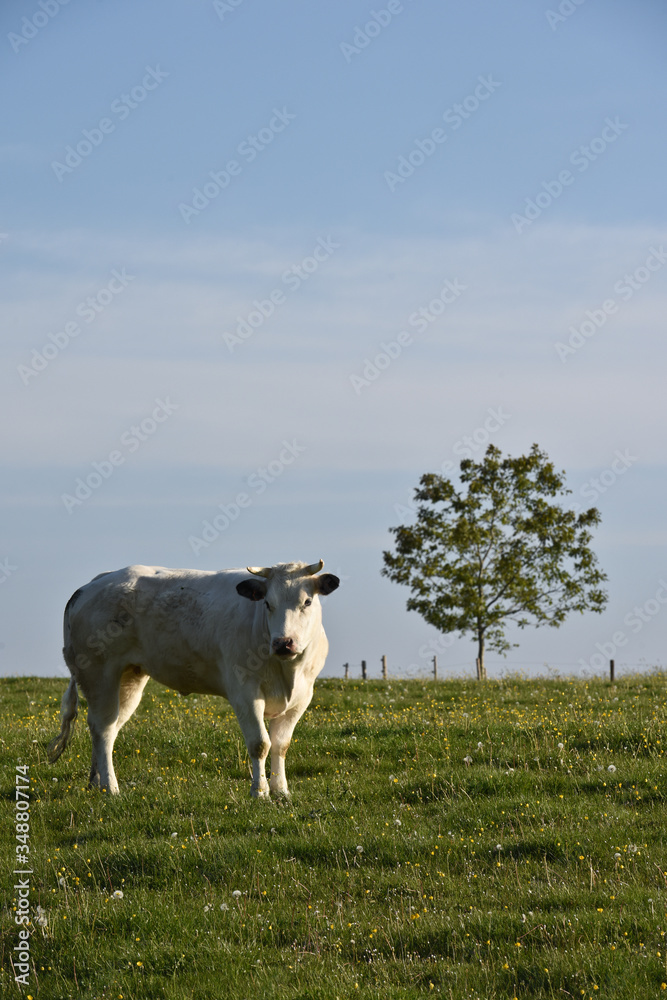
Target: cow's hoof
column 260, row 793
column 281, row 794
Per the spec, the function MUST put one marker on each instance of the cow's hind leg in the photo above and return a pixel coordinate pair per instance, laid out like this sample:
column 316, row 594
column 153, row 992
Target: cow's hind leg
column 132, row 685
column 103, row 712
column 105, row 719
column 94, row 776
column 103, row 735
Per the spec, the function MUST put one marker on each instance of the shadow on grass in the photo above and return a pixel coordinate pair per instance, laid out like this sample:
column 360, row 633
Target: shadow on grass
column 536, row 850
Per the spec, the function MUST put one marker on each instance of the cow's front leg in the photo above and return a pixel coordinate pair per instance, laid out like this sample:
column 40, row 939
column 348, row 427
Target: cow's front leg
column 281, row 729
column 251, row 720
column 260, row 786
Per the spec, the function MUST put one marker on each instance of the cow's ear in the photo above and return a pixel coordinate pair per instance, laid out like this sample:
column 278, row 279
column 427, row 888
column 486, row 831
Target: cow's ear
column 254, row 590
column 326, row 583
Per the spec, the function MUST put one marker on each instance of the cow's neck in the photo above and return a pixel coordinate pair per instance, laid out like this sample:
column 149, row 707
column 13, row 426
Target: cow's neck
column 279, row 681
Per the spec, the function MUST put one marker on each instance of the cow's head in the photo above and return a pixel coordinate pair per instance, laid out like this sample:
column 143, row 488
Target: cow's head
column 290, row 594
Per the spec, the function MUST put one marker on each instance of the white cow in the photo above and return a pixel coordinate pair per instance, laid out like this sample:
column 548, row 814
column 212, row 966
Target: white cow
column 258, row 642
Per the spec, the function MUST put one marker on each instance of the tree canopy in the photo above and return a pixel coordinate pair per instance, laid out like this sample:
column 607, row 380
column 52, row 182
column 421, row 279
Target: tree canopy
column 499, row 549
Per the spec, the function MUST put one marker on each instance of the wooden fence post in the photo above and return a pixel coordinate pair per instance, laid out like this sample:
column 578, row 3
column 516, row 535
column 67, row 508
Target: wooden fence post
column 435, row 668
column 611, row 671
column 384, row 668
column 363, row 670
column 347, row 670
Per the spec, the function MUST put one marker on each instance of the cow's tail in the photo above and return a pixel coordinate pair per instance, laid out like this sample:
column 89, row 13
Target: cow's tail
column 69, row 706
column 69, row 709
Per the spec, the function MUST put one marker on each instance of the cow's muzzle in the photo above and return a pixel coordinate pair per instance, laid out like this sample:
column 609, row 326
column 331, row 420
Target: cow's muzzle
column 283, row 647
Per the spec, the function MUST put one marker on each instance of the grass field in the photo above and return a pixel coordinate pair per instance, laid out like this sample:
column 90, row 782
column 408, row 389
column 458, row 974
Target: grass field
column 450, row 838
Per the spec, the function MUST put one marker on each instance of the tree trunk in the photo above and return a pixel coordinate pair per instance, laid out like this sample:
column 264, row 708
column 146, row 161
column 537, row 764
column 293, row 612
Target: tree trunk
column 480, row 656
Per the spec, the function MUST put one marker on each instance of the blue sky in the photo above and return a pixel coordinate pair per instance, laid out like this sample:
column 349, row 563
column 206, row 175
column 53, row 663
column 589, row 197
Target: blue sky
column 215, row 217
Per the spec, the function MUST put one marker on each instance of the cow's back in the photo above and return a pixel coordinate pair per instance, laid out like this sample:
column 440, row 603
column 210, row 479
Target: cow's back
column 176, row 625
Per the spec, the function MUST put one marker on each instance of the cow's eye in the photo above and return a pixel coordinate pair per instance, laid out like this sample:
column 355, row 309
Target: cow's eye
column 307, row 602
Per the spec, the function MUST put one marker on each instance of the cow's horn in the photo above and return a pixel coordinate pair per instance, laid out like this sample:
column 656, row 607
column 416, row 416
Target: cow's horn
column 258, row 571
column 315, row 568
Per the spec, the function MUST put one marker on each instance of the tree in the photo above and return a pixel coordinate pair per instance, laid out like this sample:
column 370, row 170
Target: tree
column 505, row 550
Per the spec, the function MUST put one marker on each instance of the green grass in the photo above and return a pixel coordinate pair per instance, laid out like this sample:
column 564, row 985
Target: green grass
column 398, row 869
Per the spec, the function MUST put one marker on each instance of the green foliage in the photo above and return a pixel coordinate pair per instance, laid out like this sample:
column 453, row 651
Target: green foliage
column 512, row 843
column 503, row 551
